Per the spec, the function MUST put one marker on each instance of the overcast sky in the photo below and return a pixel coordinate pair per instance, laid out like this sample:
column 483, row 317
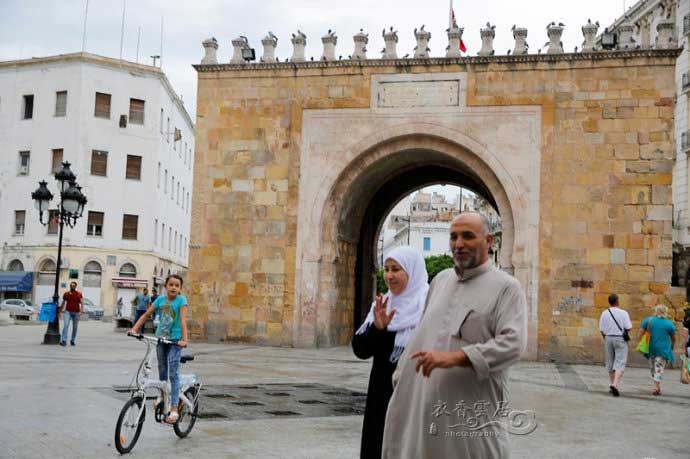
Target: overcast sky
column 32, row 28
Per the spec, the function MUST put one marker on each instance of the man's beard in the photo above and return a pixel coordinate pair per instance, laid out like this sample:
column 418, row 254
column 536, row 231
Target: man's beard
column 468, row 263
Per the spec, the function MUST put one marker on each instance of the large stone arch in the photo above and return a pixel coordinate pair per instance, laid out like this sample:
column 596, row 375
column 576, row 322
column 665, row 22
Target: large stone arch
column 325, row 283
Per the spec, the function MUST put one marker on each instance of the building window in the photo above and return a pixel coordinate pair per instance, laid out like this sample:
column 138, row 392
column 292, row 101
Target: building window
column 183, row 191
column 162, row 235
column 167, row 133
column 92, row 274
column 188, row 201
column 94, row 226
column 175, row 245
column 133, row 167
column 158, row 185
column 172, row 187
column 28, row 107
column 24, row 160
column 128, row 270
column 178, row 193
column 161, row 124
column 16, row 265
column 46, row 273
column 427, row 244
column 136, row 111
column 99, row 163
column 165, row 182
column 61, row 103
column 155, row 232
column 53, row 217
column 129, row 226
column 169, row 239
column 57, row 160
column 19, row 219
column 102, row 109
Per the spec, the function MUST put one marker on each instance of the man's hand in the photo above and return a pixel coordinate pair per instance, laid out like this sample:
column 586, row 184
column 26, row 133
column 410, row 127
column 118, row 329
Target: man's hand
column 428, row 360
column 182, row 343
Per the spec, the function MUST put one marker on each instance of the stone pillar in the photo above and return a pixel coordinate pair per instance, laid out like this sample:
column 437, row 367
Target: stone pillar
column 270, row 42
column 210, row 47
column 391, row 40
column 238, row 44
column 329, row 41
column 487, row 34
column 626, row 40
column 299, row 42
column 454, row 37
column 421, row 51
column 520, row 36
column 664, row 37
column 644, row 26
column 589, row 32
column 554, row 32
column 361, row 39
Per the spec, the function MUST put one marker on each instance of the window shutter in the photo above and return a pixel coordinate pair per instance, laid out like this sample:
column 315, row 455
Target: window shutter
column 129, row 226
column 57, row 160
column 136, row 111
column 95, row 224
column 61, row 103
column 102, row 105
column 53, row 216
column 99, row 162
column 133, row 167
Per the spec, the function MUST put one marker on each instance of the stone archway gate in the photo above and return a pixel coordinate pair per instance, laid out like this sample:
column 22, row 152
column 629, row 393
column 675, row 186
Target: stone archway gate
column 576, row 149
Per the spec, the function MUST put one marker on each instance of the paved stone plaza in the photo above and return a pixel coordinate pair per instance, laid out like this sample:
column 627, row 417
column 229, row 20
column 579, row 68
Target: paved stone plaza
column 62, row 403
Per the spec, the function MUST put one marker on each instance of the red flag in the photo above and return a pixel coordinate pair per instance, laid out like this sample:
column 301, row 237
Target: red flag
column 453, row 23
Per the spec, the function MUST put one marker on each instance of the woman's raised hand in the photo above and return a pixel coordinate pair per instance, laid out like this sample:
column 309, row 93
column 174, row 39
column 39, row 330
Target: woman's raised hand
column 381, row 317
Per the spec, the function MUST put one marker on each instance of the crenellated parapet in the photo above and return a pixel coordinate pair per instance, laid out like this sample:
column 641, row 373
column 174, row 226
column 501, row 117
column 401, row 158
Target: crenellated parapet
column 626, row 41
column 329, row 41
column 487, row 35
column 520, row 36
column 390, row 38
column 589, row 32
column 421, row 51
column 361, row 40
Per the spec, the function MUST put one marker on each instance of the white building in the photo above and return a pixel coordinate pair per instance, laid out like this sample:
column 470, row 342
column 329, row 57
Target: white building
column 666, row 24
column 130, row 143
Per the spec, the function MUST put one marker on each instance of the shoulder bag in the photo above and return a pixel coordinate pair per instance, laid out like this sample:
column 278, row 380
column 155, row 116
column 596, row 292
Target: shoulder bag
column 626, row 337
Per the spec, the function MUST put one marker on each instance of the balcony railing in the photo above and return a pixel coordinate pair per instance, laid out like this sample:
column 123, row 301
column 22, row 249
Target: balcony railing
column 685, row 140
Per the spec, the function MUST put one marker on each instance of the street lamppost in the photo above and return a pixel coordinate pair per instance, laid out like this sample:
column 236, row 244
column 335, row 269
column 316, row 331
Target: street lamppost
column 70, row 209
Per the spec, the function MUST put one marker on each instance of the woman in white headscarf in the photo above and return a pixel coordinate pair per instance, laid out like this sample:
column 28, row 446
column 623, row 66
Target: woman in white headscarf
column 384, row 335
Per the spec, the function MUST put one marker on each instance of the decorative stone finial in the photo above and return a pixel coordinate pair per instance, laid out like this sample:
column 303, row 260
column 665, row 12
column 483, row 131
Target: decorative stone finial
column 664, row 37
column 210, row 47
column 421, row 51
column 329, row 41
column 554, row 32
column 487, row 34
column 270, row 42
column 520, row 36
column 238, row 44
column 299, row 42
column 391, row 40
column 589, row 32
column 454, row 38
column 361, row 39
column 626, row 40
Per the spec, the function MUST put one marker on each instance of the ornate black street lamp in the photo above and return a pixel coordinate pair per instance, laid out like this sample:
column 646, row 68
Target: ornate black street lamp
column 70, row 209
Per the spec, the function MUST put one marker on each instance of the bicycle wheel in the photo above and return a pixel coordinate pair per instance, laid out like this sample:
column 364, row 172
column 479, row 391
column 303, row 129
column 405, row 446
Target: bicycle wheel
column 128, row 429
column 187, row 418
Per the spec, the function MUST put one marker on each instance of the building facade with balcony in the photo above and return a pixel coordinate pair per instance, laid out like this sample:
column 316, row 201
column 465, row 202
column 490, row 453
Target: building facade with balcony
column 130, row 142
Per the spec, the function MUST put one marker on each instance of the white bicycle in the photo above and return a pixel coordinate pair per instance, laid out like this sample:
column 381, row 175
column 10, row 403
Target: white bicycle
column 133, row 414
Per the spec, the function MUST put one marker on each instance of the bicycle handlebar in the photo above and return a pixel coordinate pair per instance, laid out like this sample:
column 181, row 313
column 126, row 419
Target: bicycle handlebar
column 157, row 339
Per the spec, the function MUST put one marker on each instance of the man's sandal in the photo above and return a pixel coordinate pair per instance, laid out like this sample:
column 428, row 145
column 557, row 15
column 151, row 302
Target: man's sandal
column 172, row 418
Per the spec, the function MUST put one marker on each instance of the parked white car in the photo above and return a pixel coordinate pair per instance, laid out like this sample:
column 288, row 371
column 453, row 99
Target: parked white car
column 92, row 311
column 18, row 308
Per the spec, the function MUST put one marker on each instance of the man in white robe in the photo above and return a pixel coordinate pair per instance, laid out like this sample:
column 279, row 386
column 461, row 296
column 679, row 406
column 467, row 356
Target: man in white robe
column 451, row 396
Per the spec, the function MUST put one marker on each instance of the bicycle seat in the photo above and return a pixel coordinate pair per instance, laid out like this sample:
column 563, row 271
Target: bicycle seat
column 186, row 358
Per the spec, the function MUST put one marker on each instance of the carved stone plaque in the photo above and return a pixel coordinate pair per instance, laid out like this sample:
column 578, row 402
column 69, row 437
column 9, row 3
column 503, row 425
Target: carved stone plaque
column 444, row 93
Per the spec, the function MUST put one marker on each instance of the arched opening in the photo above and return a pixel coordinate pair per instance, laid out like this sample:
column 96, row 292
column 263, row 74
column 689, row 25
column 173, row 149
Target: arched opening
column 15, row 265
column 128, row 270
column 353, row 212
column 91, row 285
column 46, row 281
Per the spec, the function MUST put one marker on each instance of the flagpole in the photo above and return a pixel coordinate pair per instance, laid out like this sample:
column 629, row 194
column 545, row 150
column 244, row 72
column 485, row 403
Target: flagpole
column 83, row 37
column 122, row 29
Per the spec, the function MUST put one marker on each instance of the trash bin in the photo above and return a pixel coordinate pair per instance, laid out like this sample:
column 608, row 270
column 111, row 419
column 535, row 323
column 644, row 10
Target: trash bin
column 48, row 311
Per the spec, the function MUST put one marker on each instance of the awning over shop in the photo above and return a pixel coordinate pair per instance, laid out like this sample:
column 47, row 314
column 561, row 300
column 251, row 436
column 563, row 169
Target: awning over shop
column 129, row 282
column 16, row 281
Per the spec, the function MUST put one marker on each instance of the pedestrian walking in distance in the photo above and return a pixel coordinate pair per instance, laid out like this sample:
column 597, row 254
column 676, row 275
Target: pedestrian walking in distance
column 614, row 325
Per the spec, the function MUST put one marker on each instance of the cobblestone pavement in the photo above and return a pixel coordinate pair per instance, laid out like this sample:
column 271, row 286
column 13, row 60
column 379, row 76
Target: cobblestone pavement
column 61, row 403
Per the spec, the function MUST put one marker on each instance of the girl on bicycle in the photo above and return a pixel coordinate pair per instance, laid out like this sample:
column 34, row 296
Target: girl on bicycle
column 172, row 312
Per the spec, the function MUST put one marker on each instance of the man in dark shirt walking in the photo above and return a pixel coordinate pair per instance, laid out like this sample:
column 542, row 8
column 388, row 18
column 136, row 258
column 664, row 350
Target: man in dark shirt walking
column 75, row 306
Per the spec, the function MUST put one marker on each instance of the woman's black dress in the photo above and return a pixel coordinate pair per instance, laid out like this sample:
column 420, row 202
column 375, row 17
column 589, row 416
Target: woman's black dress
column 379, row 344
